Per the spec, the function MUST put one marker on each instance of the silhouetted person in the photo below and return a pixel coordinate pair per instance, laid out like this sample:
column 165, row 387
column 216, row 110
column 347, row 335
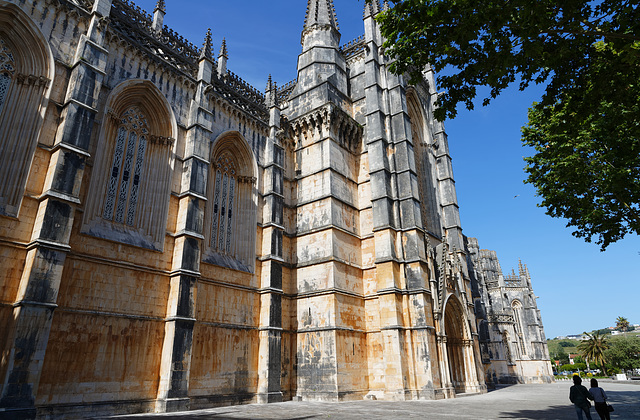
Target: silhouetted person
column 580, row 397
column 600, row 400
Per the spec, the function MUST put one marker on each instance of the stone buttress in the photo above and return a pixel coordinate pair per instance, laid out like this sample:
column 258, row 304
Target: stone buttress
column 185, row 271
column 35, row 303
column 270, row 353
column 402, row 287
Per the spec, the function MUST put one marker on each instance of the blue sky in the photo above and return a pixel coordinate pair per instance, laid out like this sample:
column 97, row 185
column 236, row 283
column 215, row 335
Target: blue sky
column 579, row 287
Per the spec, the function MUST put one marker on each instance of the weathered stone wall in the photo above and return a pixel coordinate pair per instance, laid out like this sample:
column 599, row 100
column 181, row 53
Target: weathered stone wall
column 346, row 261
column 513, row 343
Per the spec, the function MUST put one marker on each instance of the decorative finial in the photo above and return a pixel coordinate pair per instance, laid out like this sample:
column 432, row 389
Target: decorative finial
column 205, row 52
column 223, row 49
column 222, row 60
column 161, row 6
column 269, row 84
column 158, row 16
column 321, row 12
column 371, row 8
column 271, row 96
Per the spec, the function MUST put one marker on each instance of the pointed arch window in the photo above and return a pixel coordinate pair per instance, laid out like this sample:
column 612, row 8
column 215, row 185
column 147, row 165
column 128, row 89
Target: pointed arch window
column 128, row 197
column 223, row 222
column 7, row 71
column 125, row 174
column 25, row 69
column 507, row 347
column 429, row 207
column 231, row 213
column 517, row 315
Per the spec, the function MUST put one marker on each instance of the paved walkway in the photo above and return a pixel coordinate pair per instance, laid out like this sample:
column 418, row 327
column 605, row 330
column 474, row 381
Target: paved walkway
column 550, row 401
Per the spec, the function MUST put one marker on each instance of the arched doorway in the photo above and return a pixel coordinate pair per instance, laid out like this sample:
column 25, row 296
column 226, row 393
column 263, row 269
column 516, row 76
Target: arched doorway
column 454, row 330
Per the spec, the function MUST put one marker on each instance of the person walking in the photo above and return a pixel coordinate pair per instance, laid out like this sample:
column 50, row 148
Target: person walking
column 599, row 399
column 580, row 397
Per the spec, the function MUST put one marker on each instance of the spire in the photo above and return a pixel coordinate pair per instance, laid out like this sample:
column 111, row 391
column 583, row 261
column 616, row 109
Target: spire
column 223, row 49
column 271, row 96
column 161, row 6
column 205, row 52
column 158, row 16
column 222, row 59
column 385, row 5
column 321, row 13
column 320, row 25
column 521, row 268
column 371, row 8
column 205, row 63
column 269, row 84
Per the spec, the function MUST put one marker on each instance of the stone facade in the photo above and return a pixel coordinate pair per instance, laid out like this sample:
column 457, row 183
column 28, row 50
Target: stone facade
column 172, row 238
column 509, row 323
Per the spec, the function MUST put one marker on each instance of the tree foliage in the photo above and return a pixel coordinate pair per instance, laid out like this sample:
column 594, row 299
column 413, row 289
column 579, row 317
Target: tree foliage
column 561, row 355
column 593, row 349
column 572, row 367
column 568, row 343
column 586, row 128
column 622, row 324
column 624, row 352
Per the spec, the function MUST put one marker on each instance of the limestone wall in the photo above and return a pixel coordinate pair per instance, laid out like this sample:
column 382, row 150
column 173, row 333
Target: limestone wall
column 329, row 288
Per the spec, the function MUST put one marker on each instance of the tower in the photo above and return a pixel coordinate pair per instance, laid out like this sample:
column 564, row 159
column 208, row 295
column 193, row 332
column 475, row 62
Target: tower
column 325, row 147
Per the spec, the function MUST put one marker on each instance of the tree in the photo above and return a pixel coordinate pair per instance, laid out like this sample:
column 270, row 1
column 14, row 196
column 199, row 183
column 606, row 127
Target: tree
column 568, row 343
column 622, row 324
column 586, row 128
column 624, row 352
column 593, row 349
column 562, row 356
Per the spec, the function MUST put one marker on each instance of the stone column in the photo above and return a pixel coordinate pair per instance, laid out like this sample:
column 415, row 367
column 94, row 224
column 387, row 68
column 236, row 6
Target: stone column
column 270, row 356
column 445, row 371
column 471, row 377
column 46, row 253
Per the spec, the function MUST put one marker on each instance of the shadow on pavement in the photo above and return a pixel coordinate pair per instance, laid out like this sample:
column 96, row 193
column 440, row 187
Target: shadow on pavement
column 500, row 387
column 205, row 416
column 556, row 412
column 627, row 397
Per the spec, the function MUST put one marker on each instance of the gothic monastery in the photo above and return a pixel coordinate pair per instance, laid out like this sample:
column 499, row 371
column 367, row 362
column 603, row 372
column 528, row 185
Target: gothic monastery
column 173, row 238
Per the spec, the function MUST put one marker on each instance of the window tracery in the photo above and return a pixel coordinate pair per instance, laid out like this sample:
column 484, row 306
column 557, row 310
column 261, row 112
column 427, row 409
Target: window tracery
column 507, row 347
column 428, row 201
column 25, row 74
column 131, row 176
column 231, row 212
column 127, row 166
column 517, row 309
column 7, row 71
column 222, row 225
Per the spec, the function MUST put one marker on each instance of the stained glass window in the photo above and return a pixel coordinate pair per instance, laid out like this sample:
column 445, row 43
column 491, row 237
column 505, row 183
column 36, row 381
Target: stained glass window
column 128, row 161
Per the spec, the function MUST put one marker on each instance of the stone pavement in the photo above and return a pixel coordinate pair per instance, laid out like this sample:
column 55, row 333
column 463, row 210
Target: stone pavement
column 549, row 401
